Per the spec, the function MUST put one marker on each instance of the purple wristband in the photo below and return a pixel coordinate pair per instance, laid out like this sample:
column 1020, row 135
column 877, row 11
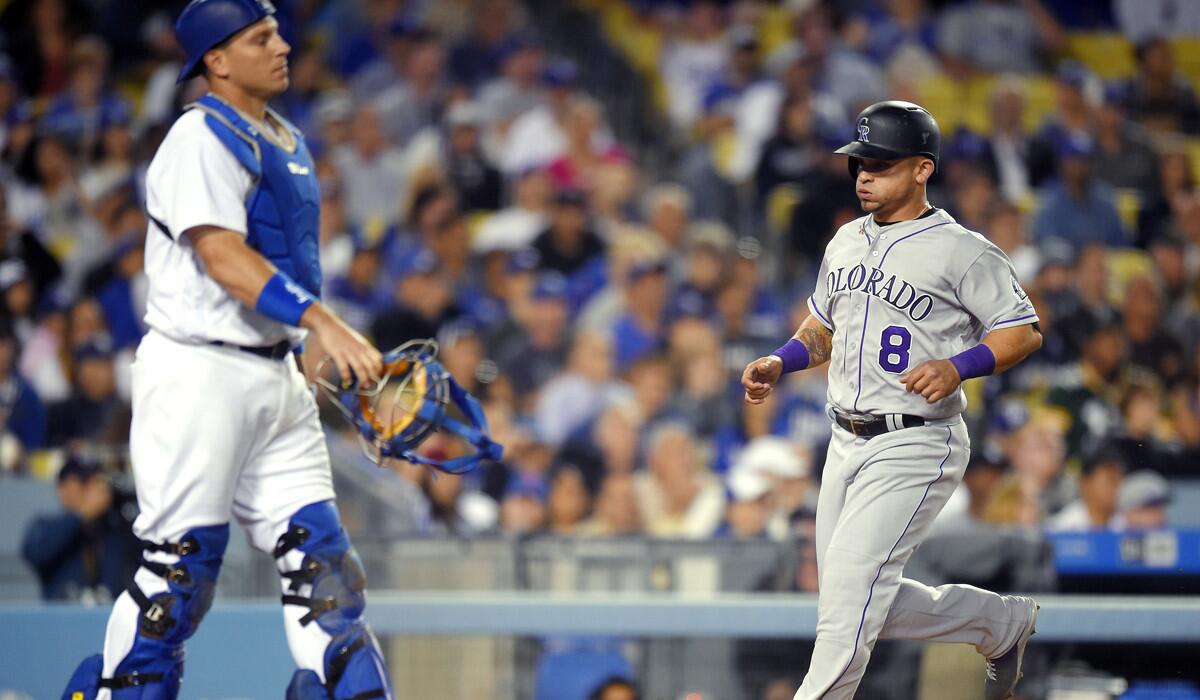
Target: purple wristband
column 978, row 361
column 794, row 356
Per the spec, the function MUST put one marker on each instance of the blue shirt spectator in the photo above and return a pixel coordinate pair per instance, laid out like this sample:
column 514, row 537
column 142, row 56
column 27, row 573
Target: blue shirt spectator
column 1075, row 208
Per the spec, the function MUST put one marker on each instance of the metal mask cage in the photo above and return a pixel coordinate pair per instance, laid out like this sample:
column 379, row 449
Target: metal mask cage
column 406, row 406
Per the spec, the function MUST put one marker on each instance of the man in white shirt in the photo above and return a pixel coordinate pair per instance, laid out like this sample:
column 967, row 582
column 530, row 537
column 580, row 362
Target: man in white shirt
column 225, row 423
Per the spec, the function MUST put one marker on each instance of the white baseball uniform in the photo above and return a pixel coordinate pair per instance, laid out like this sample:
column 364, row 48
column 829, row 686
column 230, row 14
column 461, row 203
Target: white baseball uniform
column 896, row 295
column 216, row 430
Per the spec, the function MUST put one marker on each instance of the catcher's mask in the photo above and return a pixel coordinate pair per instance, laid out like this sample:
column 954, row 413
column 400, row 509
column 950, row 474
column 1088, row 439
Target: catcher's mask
column 414, row 398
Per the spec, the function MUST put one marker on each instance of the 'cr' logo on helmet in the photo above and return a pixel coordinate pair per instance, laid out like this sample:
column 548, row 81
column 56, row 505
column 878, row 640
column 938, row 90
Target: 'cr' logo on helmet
column 863, row 130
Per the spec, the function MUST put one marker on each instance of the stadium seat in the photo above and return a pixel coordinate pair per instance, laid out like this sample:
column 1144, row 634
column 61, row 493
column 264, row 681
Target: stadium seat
column 573, row 675
column 1187, row 57
column 1109, row 54
column 1162, row 690
column 1124, row 265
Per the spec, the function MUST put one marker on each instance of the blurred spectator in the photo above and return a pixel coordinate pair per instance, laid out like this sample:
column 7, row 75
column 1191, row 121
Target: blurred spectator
column 1141, row 20
column 788, row 157
column 422, row 304
column 475, row 58
column 1150, row 345
column 538, row 137
column 1142, row 501
column 1012, row 149
column 1124, row 157
column 640, row 331
column 1037, row 485
column 998, row 35
column 523, row 509
column 586, row 153
column 372, row 172
column 87, row 552
column 615, row 689
column 93, row 412
column 668, row 210
column 1005, row 227
column 1074, row 207
column 23, row 411
column 580, row 392
column 703, row 397
column 1096, row 507
column 570, row 246
column 1144, row 441
column 121, row 290
column 472, row 174
column 517, row 89
column 769, row 483
column 616, row 513
column 517, row 225
column 840, row 70
column 532, row 347
column 569, row 502
column 693, row 60
column 43, row 33
column 899, row 26
column 415, row 101
column 1088, row 397
column 679, row 496
column 354, row 295
column 1160, row 99
column 1175, row 187
column 452, row 511
column 43, row 357
column 80, row 115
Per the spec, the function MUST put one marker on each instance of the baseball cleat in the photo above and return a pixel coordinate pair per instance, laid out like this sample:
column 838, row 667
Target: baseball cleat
column 1004, row 671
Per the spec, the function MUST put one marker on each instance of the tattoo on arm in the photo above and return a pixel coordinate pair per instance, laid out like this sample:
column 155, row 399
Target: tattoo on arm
column 819, row 341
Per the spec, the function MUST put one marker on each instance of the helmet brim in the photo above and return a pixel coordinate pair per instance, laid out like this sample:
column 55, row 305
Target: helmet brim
column 860, row 149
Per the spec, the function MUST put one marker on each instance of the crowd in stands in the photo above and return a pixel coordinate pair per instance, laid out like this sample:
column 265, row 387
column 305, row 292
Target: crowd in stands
column 475, row 191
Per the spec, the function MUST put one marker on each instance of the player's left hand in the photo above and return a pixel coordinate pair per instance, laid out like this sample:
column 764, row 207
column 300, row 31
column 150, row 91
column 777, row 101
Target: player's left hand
column 933, row 379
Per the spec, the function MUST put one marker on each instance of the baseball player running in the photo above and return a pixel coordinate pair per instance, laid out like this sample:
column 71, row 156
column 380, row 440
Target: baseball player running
column 224, row 421
column 907, row 306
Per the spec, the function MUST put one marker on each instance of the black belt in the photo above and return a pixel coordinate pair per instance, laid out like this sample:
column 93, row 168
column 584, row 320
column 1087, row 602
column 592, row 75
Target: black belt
column 869, row 426
column 278, row 351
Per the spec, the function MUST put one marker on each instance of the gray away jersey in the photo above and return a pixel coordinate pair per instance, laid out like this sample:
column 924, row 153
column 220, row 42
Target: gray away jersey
column 898, row 295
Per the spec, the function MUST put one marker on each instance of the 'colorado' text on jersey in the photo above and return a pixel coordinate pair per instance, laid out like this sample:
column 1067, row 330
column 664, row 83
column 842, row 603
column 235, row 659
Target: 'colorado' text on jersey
column 900, row 294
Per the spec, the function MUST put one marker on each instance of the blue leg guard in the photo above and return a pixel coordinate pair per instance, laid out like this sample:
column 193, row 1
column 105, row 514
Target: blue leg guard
column 153, row 668
column 331, row 569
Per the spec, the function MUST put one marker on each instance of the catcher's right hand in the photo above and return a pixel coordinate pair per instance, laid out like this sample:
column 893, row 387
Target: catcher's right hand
column 760, row 377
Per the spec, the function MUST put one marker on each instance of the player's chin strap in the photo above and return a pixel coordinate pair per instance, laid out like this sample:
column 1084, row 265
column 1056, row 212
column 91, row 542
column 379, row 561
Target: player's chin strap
column 424, row 399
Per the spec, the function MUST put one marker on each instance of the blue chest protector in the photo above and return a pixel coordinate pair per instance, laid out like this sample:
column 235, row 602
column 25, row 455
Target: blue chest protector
column 283, row 207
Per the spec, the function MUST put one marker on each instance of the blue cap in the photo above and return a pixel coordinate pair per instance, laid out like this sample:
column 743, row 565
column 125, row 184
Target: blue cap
column 78, row 467
column 1116, row 92
column 1074, row 146
column 966, row 145
column 550, row 285
column 205, row 24
column 642, row 268
column 420, row 262
column 1073, row 73
column 561, row 73
column 524, row 260
column 531, row 485
column 99, row 348
column 513, row 45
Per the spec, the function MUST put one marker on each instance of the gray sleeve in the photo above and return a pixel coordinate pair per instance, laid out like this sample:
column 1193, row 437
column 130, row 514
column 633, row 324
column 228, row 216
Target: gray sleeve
column 818, row 303
column 990, row 292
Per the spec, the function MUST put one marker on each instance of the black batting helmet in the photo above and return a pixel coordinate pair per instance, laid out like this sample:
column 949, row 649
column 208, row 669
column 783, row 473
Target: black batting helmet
column 892, row 130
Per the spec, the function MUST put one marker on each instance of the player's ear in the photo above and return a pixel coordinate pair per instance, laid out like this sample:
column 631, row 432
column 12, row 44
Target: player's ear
column 925, row 169
column 216, row 63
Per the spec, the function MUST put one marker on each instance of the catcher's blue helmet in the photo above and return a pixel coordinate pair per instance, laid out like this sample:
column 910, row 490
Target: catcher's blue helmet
column 206, row 24
column 415, row 398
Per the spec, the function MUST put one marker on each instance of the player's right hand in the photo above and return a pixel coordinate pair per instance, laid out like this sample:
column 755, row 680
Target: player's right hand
column 353, row 355
column 760, row 377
